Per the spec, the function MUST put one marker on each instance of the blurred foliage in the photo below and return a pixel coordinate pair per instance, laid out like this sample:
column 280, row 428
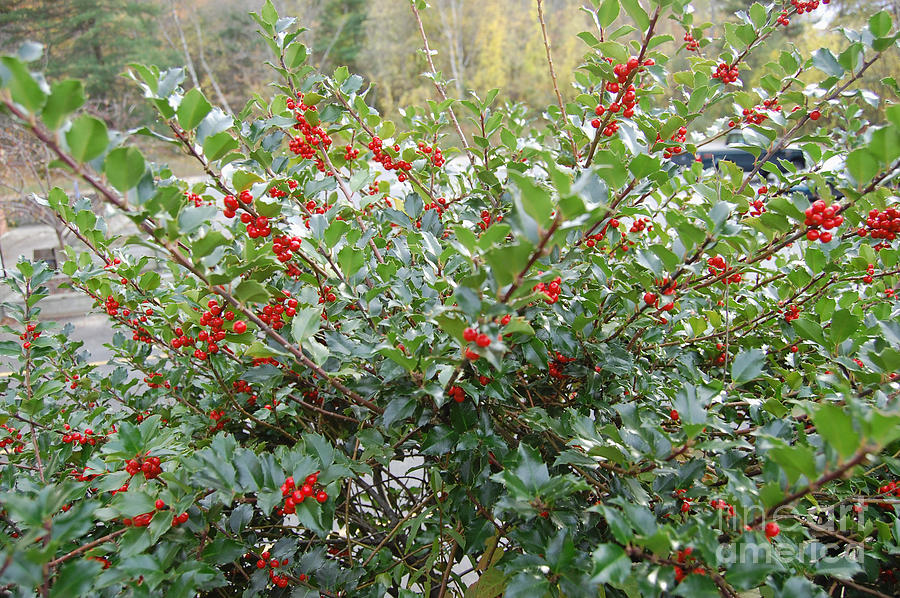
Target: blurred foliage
column 478, row 45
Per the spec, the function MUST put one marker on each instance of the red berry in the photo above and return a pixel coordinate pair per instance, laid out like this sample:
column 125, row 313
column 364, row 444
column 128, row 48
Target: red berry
column 483, row 340
column 650, row 298
column 674, row 415
column 321, row 496
column 772, row 529
column 240, row 327
column 815, row 115
column 160, row 504
column 470, row 334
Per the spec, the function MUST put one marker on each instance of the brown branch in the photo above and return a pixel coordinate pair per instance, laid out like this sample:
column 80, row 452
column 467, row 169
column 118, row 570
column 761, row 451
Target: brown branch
column 538, row 252
column 559, row 101
column 442, row 92
column 813, row 486
column 88, row 546
column 640, row 58
column 182, row 260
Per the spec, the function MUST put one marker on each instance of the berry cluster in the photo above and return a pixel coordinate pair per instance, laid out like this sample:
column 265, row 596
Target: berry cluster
column 870, row 270
column 147, row 465
column 265, row 561
column 718, row 266
column 231, row 206
column 29, row 335
column 882, row 224
column 685, row 500
column 181, row 339
column 679, row 136
column 215, row 319
column 325, row 294
column 350, row 153
column 807, row 5
column 179, row 519
column 821, row 215
column 558, row 364
column 629, row 99
column 277, row 193
column 793, row 312
column 457, row 394
column 439, row 206
column 294, row 496
column 434, row 153
column 755, row 116
column 256, row 227
column 691, row 44
column 11, row 439
column 386, row 161
column 196, row 199
column 312, row 138
column 78, row 438
column 283, row 246
column 142, row 520
column 686, row 564
column 486, row 219
column 640, row 224
column 551, row 290
column 892, row 488
column 471, row 335
column 783, row 19
column 726, row 73
column 241, row 386
column 111, row 306
column 275, row 313
column 721, row 505
column 592, row 240
column 84, row 476
column 73, row 380
column 720, row 358
column 148, row 380
column 623, row 71
column 218, row 417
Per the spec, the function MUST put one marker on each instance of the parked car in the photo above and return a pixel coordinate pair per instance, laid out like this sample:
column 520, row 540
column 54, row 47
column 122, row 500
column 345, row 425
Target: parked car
column 714, row 152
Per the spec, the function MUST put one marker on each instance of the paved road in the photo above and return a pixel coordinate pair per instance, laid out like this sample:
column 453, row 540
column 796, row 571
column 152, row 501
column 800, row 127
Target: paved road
column 93, row 329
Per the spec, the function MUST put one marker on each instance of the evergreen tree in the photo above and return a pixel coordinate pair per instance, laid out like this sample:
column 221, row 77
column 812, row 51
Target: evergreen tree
column 341, row 34
column 88, row 39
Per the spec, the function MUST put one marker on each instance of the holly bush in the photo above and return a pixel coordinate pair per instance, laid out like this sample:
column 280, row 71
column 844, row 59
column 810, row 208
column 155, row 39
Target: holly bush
column 481, row 351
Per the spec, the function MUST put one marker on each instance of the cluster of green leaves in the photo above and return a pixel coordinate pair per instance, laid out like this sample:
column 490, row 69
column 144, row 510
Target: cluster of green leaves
column 596, row 437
